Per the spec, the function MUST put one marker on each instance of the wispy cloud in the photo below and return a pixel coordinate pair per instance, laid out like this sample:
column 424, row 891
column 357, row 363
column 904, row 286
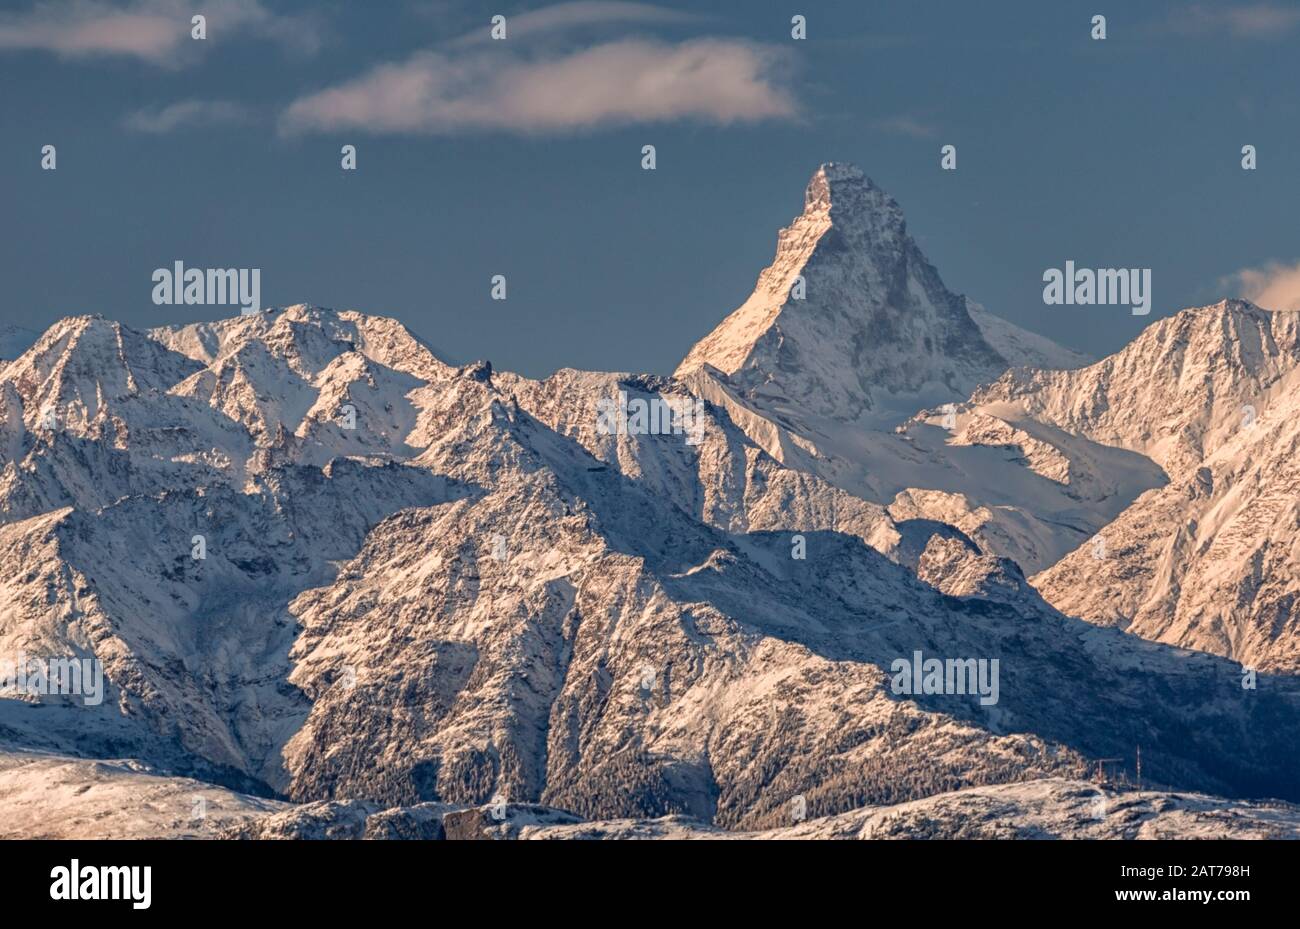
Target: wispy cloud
column 496, row 87
column 1275, row 286
column 157, row 31
column 186, row 113
column 1252, row 21
column 909, row 126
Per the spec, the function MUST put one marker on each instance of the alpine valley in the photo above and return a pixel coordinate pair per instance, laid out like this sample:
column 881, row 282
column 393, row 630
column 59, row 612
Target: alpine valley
column 341, row 588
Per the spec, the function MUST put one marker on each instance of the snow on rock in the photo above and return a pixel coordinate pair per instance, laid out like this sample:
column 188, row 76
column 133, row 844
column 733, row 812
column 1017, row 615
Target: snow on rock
column 1176, row 393
column 45, row 796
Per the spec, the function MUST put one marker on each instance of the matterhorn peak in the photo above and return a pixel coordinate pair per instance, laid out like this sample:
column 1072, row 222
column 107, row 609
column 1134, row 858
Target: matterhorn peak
column 831, row 181
column 850, row 322
column 840, row 191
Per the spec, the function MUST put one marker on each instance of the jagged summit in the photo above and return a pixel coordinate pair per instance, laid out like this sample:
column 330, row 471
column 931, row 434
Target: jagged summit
column 841, row 190
column 310, row 337
column 1177, row 391
column 839, row 171
column 832, row 180
column 89, row 360
column 851, row 322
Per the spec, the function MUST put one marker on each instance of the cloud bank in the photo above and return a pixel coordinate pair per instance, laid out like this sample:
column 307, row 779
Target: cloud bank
column 497, row 87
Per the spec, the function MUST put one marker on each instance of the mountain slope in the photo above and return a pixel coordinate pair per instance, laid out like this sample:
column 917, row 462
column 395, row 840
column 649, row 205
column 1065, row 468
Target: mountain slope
column 1206, row 561
column 1176, row 393
column 752, row 661
column 55, row 797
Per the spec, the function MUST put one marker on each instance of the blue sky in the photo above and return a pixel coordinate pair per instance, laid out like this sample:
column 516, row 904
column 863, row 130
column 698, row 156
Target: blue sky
column 523, row 157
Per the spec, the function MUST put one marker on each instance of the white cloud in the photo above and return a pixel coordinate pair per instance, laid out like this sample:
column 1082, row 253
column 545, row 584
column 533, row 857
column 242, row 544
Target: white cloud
column 157, row 31
column 497, row 87
column 185, row 113
column 1274, row 287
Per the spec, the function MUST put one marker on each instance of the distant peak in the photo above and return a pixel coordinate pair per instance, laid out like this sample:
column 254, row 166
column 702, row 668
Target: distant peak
column 841, row 191
column 840, row 171
column 305, row 310
column 1237, row 305
column 850, row 322
column 832, row 183
column 1212, row 312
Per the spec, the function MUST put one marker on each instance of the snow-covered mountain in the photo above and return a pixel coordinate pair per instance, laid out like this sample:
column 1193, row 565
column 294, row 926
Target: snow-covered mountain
column 1207, row 561
column 852, row 323
column 355, row 590
column 1182, row 389
column 850, row 332
column 1151, row 490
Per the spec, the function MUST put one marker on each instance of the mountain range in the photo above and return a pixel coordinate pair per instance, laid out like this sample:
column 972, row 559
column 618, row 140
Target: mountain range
column 341, row 587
